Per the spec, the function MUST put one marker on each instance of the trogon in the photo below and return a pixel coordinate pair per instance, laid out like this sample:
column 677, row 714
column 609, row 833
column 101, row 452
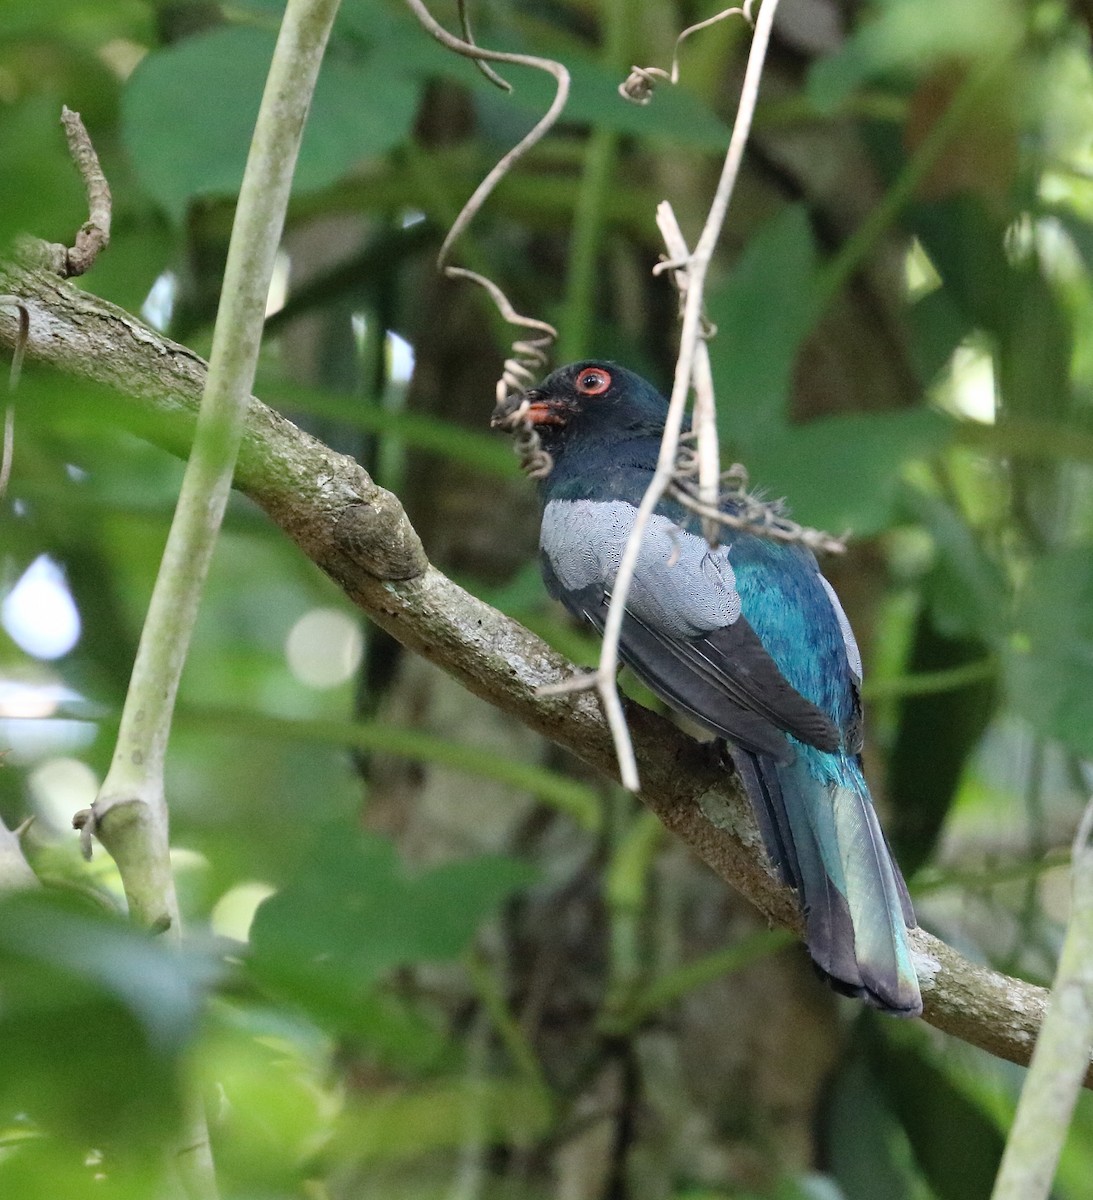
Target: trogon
column 747, row 639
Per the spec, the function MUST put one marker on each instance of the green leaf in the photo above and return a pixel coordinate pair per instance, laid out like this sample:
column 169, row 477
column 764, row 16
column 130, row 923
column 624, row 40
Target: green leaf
column 485, row 452
column 956, row 1144
column 864, row 1143
column 910, row 36
column 206, row 90
column 960, row 237
column 763, row 311
column 45, row 1168
column 676, row 115
column 938, row 326
column 922, row 788
column 41, row 193
column 967, row 592
column 843, row 472
column 93, row 1018
column 53, row 17
column 328, row 938
column 809, row 1187
column 1049, row 663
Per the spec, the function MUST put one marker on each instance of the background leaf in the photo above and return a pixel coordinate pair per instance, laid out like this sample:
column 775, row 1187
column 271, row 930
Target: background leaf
column 331, row 935
column 207, row 90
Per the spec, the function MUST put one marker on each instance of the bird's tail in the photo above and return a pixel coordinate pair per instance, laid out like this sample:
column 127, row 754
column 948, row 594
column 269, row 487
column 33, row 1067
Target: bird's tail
column 824, row 837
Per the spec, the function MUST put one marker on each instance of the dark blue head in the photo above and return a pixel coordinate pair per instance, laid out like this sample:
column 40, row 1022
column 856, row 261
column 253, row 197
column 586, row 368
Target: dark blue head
column 593, row 408
column 600, row 423
column 594, row 399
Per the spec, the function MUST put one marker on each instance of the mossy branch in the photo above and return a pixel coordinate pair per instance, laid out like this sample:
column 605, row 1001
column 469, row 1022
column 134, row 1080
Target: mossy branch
column 359, row 535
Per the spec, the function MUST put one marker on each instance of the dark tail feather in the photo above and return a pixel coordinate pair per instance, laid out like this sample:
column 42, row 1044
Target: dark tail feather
column 825, row 840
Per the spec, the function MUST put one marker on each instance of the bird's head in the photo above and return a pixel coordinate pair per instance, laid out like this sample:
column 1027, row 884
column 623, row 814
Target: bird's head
column 589, row 399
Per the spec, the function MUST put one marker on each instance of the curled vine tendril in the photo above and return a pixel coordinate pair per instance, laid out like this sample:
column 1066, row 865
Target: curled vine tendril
column 529, row 354
column 528, row 357
column 743, row 510
column 639, row 85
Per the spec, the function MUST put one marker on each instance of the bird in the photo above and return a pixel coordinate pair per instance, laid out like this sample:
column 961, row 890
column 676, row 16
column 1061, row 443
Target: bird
column 749, row 641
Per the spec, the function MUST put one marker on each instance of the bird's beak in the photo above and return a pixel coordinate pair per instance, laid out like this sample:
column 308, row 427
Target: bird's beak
column 535, row 406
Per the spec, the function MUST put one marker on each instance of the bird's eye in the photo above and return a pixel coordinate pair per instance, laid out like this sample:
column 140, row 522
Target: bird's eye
column 593, row 381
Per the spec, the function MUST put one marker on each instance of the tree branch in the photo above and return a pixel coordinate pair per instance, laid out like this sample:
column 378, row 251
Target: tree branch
column 358, row 534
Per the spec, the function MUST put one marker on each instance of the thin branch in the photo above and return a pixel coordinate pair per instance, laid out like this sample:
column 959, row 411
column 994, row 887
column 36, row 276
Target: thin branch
column 130, row 813
column 358, row 534
column 747, row 512
column 759, row 517
column 480, row 54
column 136, row 773
column 92, row 238
column 1060, row 1060
column 94, row 235
column 690, row 336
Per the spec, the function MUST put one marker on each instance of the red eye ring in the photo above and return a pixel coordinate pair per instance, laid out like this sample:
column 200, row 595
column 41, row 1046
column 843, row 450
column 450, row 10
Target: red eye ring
column 593, row 381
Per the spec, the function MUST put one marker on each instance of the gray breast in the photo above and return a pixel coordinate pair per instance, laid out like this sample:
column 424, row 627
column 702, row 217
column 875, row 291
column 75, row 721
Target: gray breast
column 680, row 586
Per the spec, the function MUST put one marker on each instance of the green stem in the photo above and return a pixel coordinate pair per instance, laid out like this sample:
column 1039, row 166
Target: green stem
column 1061, row 1057
column 676, row 984
column 578, row 315
column 515, row 1040
column 1018, row 438
column 131, row 810
column 578, row 801
column 927, row 683
column 626, row 894
column 856, row 249
column 934, row 879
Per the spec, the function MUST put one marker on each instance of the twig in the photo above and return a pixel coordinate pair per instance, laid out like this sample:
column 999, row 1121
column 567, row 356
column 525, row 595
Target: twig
column 696, row 267
column 136, row 772
column 704, row 412
column 762, row 521
column 857, row 247
column 528, row 357
column 92, row 238
column 759, row 517
column 16, row 370
column 1061, row 1057
column 94, row 235
column 481, row 54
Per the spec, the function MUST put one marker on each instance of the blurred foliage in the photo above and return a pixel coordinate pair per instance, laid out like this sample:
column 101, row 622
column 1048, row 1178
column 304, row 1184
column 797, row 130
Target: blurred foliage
column 506, row 983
